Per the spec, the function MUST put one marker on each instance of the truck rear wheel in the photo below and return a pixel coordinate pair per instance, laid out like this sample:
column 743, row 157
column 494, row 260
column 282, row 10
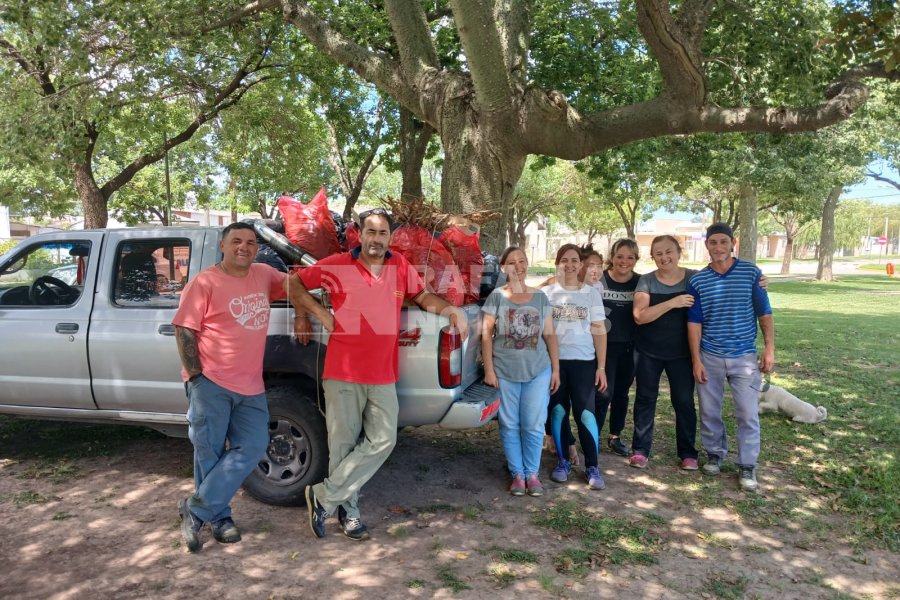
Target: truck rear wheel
column 297, row 455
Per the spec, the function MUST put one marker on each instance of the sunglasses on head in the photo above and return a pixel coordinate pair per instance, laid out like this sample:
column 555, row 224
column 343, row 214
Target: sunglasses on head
column 375, row 212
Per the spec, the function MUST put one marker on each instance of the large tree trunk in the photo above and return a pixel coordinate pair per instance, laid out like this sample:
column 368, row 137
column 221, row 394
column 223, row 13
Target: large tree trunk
column 788, row 255
column 747, row 232
column 93, row 201
column 414, row 139
column 826, row 238
column 478, row 173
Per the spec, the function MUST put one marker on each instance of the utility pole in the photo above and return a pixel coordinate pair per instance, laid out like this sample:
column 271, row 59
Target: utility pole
column 869, row 236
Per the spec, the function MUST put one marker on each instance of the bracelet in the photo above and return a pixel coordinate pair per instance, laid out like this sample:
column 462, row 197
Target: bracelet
column 301, row 317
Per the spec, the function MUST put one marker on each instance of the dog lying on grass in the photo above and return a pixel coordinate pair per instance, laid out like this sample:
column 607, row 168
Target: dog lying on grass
column 779, row 399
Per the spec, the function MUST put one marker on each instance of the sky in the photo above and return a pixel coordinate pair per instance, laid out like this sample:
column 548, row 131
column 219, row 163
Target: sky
column 877, row 191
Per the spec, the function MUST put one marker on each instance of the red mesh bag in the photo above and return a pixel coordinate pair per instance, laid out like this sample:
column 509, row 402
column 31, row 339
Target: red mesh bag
column 310, row 226
column 351, row 237
column 432, row 260
column 466, row 254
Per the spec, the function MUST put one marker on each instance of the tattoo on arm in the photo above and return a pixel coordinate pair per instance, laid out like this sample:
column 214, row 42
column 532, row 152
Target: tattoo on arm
column 187, row 348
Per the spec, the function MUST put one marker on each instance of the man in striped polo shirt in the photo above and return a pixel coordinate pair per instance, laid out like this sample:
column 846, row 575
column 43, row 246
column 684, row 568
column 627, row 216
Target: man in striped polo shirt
column 728, row 302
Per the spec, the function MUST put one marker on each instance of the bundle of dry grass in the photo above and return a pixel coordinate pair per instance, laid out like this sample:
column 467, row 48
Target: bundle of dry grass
column 415, row 211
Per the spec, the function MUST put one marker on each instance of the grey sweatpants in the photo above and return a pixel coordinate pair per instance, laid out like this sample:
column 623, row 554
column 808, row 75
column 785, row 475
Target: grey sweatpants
column 745, row 380
column 351, row 408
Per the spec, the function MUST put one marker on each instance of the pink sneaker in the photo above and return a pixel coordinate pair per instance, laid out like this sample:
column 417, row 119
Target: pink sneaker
column 517, row 487
column 689, row 464
column 535, row 487
column 638, row 461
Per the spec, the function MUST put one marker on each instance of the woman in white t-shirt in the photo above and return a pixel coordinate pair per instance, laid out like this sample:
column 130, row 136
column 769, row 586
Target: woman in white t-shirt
column 578, row 317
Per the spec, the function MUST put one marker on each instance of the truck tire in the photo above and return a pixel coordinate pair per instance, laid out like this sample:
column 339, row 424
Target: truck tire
column 297, row 455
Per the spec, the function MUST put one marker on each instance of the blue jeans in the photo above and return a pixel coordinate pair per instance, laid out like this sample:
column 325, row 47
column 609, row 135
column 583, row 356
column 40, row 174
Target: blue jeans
column 216, row 414
column 523, row 412
column 745, row 380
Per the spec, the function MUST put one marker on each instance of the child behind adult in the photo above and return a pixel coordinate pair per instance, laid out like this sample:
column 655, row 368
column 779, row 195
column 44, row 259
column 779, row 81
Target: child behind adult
column 519, row 348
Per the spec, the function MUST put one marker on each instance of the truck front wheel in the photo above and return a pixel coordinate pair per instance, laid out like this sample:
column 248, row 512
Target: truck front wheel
column 297, row 454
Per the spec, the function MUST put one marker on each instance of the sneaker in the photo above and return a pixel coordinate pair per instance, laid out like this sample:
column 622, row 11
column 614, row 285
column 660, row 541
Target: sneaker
column 517, row 487
column 638, row 461
column 353, row 527
column 317, row 514
column 594, row 478
column 225, row 531
column 713, row 465
column 689, row 464
column 615, row 444
column 190, row 527
column 747, row 479
column 561, row 473
column 534, row 485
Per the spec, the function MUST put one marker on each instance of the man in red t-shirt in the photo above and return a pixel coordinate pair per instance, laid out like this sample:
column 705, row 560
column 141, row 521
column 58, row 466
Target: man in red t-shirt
column 367, row 287
column 221, row 327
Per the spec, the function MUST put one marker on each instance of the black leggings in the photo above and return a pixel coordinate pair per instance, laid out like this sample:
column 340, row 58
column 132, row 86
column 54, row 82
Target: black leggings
column 681, row 387
column 619, row 377
column 576, row 393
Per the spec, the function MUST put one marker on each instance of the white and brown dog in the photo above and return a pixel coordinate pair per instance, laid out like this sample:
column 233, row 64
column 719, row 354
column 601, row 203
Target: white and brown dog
column 779, row 399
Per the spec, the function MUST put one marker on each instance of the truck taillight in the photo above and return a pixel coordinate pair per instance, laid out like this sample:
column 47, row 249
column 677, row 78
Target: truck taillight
column 450, row 358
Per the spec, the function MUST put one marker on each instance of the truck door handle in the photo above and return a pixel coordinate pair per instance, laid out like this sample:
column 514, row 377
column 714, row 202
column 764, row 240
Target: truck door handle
column 67, row 328
column 166, row 329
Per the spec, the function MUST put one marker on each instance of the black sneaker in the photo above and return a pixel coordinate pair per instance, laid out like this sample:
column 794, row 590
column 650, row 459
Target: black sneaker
column 615, row 444
column 353, row 528
column 317, row 514
column 225, row 531
column 190, row 527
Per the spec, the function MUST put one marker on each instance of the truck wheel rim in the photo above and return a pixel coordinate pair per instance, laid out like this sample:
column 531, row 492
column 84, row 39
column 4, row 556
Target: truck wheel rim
column 288, row 454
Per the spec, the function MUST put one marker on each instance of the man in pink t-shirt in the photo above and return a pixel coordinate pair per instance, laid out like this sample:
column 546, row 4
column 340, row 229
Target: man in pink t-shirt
column 221, row 326
column 367, row 287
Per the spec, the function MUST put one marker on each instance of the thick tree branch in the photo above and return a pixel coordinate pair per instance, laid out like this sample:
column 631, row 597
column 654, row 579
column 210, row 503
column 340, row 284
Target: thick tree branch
column 573, row 136
column 879, row 177
column 875, row 70
column 229, row 95
column 378, row 69
column 484, row 53
column 410, row 28
column 512, row 18
column 240, row 14
column 679, row 58
column 39, row 74
column 691, row 19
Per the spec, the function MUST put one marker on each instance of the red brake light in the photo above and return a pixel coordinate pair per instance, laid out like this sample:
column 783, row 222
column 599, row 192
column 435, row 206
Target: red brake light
column 450, row 358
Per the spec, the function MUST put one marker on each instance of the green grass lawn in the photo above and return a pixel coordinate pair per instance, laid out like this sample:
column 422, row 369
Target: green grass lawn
column 838, row 345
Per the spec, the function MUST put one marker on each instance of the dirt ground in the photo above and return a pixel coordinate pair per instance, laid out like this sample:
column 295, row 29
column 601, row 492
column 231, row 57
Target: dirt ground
column 442, row 526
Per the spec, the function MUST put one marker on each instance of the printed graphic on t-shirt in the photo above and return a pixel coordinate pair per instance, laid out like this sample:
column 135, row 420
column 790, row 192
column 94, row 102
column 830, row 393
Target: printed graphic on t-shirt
column 617, row 296
column 570, row 312
column 523, row 328
column 250, row 311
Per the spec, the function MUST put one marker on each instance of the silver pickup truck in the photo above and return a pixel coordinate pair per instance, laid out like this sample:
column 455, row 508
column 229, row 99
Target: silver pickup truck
column 86, row 335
